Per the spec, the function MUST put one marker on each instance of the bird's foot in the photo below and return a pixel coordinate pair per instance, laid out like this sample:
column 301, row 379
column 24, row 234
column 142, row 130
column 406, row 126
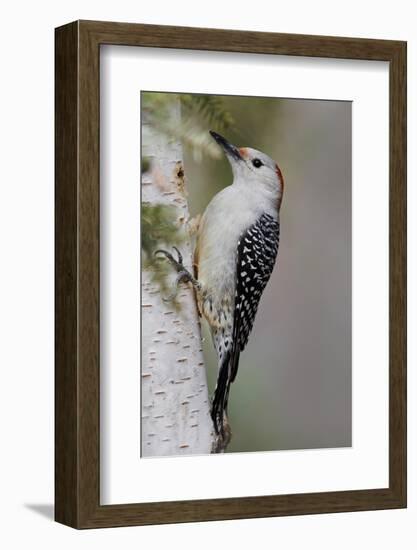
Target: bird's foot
column 184, row 276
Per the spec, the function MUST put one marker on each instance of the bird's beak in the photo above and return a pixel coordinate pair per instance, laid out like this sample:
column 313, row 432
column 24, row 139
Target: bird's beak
column 231, row 151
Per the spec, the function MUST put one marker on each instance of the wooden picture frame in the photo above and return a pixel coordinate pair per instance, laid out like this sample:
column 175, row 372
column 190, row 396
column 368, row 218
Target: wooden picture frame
column 77, row 374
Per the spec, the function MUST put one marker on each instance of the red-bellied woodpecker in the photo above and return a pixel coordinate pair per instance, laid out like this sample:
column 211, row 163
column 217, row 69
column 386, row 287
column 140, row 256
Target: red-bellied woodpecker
column 237, row 244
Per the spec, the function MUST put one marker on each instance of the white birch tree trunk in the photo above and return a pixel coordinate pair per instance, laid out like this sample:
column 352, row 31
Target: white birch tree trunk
column 175, row 416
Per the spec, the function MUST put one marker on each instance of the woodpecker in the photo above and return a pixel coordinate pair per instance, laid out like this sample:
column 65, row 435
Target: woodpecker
column 236, row 248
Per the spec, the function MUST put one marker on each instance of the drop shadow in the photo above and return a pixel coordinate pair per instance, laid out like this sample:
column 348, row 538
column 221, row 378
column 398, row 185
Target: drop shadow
column 45, row 510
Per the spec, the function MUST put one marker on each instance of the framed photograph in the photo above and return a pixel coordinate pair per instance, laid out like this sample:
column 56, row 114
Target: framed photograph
column 230, row 274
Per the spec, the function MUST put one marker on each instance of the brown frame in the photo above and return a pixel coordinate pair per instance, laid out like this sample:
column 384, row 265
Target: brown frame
column 77, row 405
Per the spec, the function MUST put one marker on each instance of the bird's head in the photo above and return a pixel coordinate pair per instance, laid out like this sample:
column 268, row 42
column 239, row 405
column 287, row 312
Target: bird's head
column 253, row 168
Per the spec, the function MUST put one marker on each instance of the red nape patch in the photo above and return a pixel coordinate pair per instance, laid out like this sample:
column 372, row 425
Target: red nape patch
column 280, row 176
column 281, row 179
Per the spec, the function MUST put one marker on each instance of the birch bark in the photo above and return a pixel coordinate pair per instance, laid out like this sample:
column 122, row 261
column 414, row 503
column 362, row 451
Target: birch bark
column 175, row 416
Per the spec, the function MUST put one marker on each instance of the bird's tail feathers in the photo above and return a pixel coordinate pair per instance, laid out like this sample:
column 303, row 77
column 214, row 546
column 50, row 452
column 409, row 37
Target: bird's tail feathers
column 221, row 394
column 235, row 355
column 227, row 373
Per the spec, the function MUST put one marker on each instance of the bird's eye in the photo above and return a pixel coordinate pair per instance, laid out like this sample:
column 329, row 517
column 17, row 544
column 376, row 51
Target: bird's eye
column 257, row 163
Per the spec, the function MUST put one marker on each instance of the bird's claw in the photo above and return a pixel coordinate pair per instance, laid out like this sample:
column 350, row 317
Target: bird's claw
column 176, row 263
column 183, row 276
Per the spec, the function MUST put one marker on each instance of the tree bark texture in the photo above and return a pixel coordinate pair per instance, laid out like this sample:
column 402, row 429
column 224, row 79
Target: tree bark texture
column 175, row 417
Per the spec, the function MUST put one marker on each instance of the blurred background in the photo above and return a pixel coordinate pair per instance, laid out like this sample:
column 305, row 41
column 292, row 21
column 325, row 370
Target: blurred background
column 293, row 388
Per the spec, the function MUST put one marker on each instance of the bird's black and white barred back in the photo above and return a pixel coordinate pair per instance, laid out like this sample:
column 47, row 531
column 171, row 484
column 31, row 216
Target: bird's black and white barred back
column 257, row 250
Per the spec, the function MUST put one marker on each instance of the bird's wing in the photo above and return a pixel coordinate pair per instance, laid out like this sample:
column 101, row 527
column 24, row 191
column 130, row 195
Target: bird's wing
column 256, row 255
